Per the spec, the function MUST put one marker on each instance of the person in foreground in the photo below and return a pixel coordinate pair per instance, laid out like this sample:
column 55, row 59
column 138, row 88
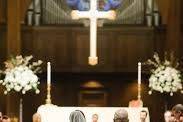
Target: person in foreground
column 168, row 116
column 36, row 117
column 143, row 115
column 121, row 115
column 77, row 116
column 177, row 112
column 6, row 119
column 1, row 116
column 95, row 118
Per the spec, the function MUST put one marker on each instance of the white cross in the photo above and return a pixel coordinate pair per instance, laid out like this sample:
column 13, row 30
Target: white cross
column 93, row 14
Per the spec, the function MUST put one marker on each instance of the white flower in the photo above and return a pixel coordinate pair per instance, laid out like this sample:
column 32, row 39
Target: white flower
column 17, row 88
column 165, row 79
column 23, row 92
column 1, row 81
column 171, row 94
column 5, row 92
column 181, row 91
column 37, row 91
column 167, row 62
column 150, row 92
column 27, row 87
column 20, row 75
column 40, row 62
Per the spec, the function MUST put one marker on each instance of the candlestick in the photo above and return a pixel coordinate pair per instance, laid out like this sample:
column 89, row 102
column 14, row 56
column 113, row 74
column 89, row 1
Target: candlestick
column 139, row 81
column 139, row 73
column 48, row 73
column 48, row 99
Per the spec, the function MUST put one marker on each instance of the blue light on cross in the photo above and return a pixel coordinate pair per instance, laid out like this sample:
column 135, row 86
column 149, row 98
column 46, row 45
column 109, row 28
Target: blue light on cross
column 84, row 5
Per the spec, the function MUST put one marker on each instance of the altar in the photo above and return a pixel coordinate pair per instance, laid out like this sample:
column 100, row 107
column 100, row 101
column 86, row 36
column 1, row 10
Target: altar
column 53, row 113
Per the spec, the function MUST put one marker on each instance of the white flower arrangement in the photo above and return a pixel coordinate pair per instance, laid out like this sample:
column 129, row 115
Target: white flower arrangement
column 165, row 75
column 20, row 75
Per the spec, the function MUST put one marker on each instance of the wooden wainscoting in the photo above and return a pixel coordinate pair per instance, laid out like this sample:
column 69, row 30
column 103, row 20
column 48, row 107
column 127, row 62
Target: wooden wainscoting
column 119, row 48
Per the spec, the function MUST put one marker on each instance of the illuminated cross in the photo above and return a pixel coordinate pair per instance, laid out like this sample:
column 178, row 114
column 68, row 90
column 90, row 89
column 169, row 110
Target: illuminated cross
column 93, row 14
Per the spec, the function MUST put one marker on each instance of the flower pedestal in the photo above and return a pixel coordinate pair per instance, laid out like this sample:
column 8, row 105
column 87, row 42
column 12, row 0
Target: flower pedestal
column 21, row 110
column 166, row 99
column 19, row 77
column 13, row 106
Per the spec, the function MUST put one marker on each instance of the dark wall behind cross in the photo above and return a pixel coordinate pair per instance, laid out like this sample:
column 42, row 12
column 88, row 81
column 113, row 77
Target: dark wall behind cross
column 119, row 47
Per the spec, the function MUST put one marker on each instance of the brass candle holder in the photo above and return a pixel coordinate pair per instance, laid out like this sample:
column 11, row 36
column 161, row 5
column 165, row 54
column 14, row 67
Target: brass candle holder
column 139, row 95
column 48, row 99
column 139, row 92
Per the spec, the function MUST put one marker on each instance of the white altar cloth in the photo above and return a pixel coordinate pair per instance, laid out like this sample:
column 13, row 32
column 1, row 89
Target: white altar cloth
column 53, row 113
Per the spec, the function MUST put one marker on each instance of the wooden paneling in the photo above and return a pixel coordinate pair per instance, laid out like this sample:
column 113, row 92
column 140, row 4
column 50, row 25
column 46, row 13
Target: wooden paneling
column 24, row 4
column 2, row 44
column 132, row 46
column 119, row 49
column 13, row 43
column 2, row 11
column 13, row 27
column 164, row 6
column 174, row 28
column 49, row 46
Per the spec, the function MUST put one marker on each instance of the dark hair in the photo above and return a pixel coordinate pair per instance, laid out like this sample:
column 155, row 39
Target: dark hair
column 95, row 114
column 178, row 108
column 143, row 111
column 121, row 120
column 5, row 117
column 81, row 112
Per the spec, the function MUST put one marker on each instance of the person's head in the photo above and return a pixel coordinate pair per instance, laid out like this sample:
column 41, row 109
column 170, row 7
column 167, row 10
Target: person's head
column 94, row 117
column 168, row 116
column 36, row 117
column 181, row 119
column 177, row 111
column 1, row 116
column 6, row 119
column 77, row 116
column 143, row 115
column 121, row 115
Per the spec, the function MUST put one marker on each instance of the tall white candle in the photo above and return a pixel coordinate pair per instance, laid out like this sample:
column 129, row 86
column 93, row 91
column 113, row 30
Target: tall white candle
column 48, row 73
column 139, row 73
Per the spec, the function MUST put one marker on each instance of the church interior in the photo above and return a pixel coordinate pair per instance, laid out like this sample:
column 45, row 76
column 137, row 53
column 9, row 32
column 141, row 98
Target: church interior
column 46, row 30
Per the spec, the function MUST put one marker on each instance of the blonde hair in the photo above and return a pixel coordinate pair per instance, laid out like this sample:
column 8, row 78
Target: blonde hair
column 36, row 117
